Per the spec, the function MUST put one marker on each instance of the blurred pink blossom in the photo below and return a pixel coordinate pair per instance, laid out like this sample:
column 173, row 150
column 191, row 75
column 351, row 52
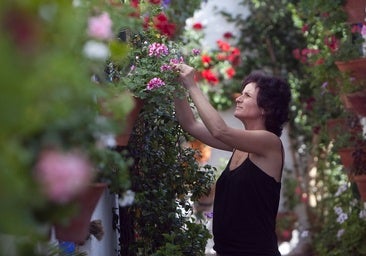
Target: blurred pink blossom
column 63, row 175
column 100, row 27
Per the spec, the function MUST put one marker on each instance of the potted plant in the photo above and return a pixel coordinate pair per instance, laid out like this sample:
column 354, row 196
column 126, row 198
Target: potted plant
column 343, row 231
column 358, row 169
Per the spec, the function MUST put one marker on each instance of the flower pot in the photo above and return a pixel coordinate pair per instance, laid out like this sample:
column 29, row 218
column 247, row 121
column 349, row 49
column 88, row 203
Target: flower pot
column 360, row 180
column 203, row 151
column 356, row 68
column 355, row 10
column 338, row 126
column 77, row 228
column 355, row 102
column 346, row 156
column 123, row 138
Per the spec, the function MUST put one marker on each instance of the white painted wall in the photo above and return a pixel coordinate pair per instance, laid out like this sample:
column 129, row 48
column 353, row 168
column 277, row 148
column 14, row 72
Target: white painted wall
column 215, row 25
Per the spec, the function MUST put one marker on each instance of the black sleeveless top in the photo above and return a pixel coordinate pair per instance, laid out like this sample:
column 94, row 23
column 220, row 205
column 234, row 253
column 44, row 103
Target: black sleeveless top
column 245, row 209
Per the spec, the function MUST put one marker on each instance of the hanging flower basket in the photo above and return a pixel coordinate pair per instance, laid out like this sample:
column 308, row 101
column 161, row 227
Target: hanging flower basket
column 77, row 229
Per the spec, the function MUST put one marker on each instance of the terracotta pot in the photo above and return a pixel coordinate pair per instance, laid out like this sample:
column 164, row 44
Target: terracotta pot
column 338, row 126
column 355, row 102
column 360, row 180
column 355, row 10
column 356, row 68
column 203, row 151
column 346, row 156
column 77, row 229
column 124, row 136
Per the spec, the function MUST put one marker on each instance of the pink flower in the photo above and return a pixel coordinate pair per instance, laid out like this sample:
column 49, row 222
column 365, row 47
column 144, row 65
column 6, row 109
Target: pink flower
column 100, row 27
column 63, row 175
column 155, row 83
column 157, row 50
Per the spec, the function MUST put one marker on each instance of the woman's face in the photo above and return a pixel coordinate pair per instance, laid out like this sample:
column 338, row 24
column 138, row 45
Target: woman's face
column 246, row 103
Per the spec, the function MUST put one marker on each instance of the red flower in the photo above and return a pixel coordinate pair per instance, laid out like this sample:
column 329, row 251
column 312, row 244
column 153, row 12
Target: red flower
column 210, row 76
column 221, row 56
column 234, row 57
column 135, row 3
column 228, row 35
column 162, row 24
column 223, row 45
column 155, row 1
column 230, row 72
column 205, row 59
column 197, row 26
column 305, row 28
column 332, row 42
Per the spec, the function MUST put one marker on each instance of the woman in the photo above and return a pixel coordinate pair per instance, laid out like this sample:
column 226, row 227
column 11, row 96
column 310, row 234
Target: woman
column 248, row 191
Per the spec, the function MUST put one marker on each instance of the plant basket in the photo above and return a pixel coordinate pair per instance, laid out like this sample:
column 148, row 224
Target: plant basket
column 77, row 229
column 360, row 180
column 355, row 10
column 356, row 68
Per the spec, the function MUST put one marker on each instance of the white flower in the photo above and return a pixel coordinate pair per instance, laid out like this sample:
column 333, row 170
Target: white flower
column 304, row 233
column 338, row 210
column 106, row 140
column 96, row 50
column 342, row 218
column 362, row 214
column 127, row 199
column 341, row 189
column 340, row 233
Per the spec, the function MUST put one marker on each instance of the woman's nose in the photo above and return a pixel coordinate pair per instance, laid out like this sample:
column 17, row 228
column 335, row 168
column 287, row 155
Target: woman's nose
column 238, row 99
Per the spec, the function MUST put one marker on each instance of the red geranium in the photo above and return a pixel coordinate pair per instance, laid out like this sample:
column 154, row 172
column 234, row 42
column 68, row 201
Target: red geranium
column 197, row 26
column 228, row 35
column 206, row 59
column 162, row 24
column 224, row 46
column 210, row 76
column 155, row 1
column 230, row 72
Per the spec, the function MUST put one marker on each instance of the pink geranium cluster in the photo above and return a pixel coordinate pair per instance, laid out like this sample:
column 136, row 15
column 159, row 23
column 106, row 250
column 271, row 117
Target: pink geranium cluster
column 63, row 175
column 155, row 83
column 158, row 50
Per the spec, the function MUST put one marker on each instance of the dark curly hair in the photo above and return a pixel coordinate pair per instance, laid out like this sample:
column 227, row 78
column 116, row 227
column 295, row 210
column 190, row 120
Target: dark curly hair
column 274, row 97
